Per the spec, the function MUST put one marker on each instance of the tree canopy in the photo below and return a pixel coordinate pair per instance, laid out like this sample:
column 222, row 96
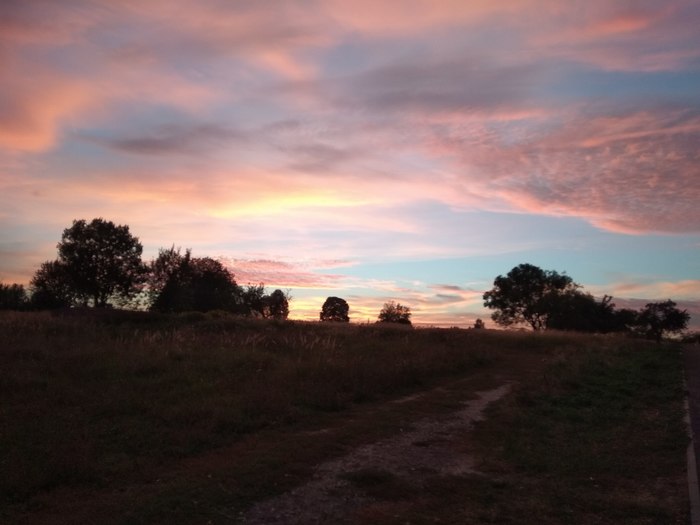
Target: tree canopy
column 393, row 312
column 97, row 262
column 335, row 309
column 182, row 283
column 12, row 297
column 51, row 287
column 277, row 305
column 527, row 295
column 581, row 312
column 549, row 300
column 656, row 319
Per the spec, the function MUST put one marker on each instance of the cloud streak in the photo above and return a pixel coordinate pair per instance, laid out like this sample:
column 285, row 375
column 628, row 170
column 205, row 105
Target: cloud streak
column 354, row 131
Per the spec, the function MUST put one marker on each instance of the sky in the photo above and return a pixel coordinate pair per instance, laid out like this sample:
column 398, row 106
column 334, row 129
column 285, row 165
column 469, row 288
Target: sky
column 373, row 150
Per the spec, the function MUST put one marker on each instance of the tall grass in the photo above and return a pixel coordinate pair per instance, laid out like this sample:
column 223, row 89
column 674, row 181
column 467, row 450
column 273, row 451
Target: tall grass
column 88, row 399
column 100, row 400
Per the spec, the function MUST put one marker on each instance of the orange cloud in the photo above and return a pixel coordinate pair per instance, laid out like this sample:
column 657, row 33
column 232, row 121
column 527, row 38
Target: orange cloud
column 34, row 105
column 687, row 289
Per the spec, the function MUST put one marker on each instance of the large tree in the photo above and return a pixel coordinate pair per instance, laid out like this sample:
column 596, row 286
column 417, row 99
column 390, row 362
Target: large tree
column 579, row 311
column 180, row 283
column 527, row 295
column 393, row 312
column 657, row 319
column 101, row 260
column 335, row 309
column 97, row 262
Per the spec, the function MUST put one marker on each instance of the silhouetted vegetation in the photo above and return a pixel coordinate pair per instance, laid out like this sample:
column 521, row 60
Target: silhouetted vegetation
column 51, row 287
column 99, row 264
column 277, row 305
column 527, row 295
column 393, row 312
column 97, row 261
column 657, row 319
column 547, row 300
column 142, row 417
column 12, row 297
column 335, row 309
column 581, row 312
column 198, row 284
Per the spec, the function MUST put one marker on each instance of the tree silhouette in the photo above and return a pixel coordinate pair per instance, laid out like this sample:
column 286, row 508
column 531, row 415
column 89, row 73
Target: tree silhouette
column 12, row 297
column 254, row 302
column 192, row 284
column 479, row 324
column 162, row 268
column 527, row 295
column 335, row 309
column 100, row 260
column 393, row 312
column 578, row 311
column 278, row 305
column 51, row 287
column 659, row 318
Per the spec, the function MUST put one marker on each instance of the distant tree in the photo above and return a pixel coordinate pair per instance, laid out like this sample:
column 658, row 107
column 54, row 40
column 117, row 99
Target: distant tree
column 100, row 260
column 527, row 295
column 393, row 312
column 479, row 324
column 195, row 284
column 12, row 297
column 162, row 268
column 335, row 309
column 625, row 320
column 656, row 319
column 254, row 302
column 51, row 287
column 578, row 311
column 278, row 305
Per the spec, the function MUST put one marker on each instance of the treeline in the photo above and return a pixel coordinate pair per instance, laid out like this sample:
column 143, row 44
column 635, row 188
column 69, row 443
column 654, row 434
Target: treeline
column 548, row 300
column 99, row 265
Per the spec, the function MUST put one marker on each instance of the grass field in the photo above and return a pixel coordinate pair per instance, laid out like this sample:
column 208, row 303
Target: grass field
column 134, row 418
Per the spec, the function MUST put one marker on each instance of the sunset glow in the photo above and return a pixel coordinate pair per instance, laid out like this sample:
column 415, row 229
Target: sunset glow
column 371, row 150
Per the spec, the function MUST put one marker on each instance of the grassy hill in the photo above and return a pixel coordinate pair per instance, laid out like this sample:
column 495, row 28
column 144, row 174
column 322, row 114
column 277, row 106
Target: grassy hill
column 118, row 417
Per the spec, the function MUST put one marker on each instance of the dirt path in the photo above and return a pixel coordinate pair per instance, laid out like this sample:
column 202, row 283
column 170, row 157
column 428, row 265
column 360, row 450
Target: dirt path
column 426, row 449
column 333, row 468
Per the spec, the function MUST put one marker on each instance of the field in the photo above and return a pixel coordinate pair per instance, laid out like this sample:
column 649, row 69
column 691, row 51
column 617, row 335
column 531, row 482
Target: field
column 202, row 418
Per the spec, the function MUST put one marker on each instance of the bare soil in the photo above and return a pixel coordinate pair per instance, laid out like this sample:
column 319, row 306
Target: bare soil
column 427, row 448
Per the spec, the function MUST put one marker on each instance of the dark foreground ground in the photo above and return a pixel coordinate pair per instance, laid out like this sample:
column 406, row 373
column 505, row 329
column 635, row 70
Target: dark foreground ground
column 209, row 419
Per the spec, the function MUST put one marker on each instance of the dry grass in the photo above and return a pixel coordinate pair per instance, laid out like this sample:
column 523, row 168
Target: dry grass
column 96, row 404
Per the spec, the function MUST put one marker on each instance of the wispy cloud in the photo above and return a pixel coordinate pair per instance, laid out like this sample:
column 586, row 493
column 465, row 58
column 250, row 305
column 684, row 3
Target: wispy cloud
column 283, row 274
column 174, row 139
column 356, row 131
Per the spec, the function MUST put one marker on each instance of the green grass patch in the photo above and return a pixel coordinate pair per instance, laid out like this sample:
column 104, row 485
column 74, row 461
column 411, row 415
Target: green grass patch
column 600, row 439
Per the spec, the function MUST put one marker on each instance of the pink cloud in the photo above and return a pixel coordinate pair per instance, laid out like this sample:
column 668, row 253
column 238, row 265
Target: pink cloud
column 34, row 104
column 282, row 274
column 630, row 172
column 657, row 290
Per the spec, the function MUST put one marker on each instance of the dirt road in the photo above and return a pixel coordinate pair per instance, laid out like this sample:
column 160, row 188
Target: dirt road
column 425, row 449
